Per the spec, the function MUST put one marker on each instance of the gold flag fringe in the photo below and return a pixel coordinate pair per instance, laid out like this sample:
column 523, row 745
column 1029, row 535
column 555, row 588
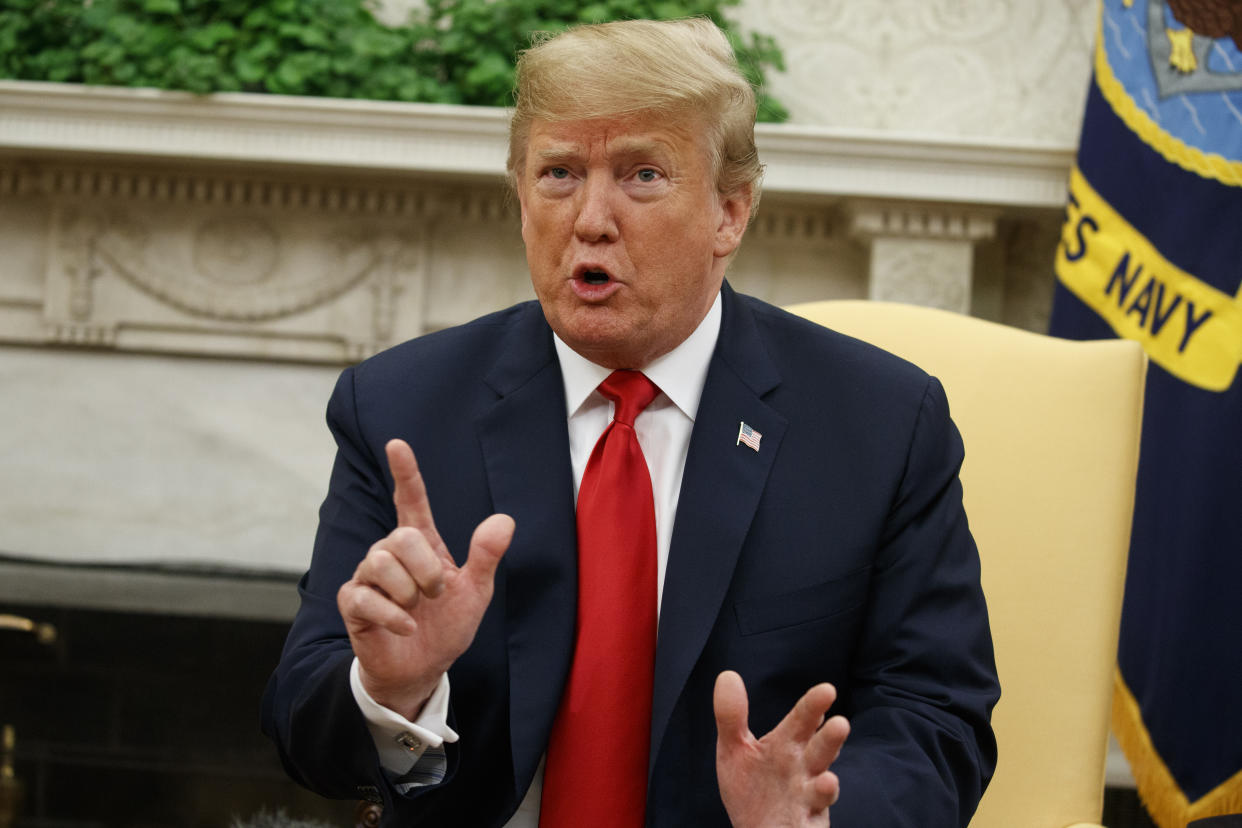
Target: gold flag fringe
column 1159, row 792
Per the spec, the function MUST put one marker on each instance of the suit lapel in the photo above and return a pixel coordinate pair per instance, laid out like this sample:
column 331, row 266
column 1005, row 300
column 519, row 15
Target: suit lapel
column 720, row 491
column 526, row 453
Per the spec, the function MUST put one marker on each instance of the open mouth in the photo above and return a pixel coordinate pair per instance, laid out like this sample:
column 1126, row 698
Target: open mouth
column 593, row 283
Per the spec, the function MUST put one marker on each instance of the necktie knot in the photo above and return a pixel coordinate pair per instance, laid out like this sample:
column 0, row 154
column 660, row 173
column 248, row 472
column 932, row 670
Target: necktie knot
column 630, row 392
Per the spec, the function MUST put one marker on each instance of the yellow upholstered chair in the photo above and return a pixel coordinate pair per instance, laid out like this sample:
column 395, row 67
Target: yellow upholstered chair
column 1051, row 429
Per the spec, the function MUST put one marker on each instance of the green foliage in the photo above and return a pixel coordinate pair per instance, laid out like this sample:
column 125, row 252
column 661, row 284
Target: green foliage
column 451, row 51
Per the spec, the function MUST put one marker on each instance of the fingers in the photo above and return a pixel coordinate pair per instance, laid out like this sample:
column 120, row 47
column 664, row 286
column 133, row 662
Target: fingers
column 825, row 745
column 826, row 789
column 409, row 493
column 362, row 606
column 404, row 566
column 396, row 573
column 487, row 545
column 783, row 778
column 403, row 569
column 807, row 715
column 732, row 708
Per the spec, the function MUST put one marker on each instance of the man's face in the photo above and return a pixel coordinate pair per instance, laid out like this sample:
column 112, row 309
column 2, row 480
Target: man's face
column 626, row 236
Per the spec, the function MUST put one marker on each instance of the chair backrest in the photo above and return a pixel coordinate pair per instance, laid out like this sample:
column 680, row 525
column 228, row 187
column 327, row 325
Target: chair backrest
column 1051, row 429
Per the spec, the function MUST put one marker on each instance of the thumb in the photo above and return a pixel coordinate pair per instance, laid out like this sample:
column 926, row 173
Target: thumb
column 487, row 546
column 731, row 707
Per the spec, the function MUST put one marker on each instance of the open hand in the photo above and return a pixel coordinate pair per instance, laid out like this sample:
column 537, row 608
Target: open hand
column 409, row 609
column 782, row 779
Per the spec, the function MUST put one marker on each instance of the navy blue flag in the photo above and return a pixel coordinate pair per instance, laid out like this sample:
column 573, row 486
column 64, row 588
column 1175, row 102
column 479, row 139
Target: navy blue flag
column 1151, row 250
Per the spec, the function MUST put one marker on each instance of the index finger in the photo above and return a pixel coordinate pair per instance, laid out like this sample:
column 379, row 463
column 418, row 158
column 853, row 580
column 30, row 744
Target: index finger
column 409, row 493
column 808, row 714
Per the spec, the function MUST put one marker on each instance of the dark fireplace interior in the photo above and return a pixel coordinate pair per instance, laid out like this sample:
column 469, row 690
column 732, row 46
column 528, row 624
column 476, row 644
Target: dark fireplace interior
column 147, row 721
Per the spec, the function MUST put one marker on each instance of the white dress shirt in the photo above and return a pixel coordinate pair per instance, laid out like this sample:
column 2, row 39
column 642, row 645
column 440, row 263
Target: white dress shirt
column 414, row 751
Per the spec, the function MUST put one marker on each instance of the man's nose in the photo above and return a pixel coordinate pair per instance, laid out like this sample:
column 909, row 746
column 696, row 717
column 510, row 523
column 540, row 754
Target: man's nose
column 596, row 220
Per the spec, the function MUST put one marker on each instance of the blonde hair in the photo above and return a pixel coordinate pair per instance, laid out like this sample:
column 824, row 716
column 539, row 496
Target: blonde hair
column 679, row 68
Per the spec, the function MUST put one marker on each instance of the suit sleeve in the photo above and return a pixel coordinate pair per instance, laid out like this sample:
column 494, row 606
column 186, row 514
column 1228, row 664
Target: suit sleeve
column 921, row 748
column 309, row 710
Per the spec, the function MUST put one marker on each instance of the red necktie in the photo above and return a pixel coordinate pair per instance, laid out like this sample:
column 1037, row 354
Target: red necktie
column 596, row 772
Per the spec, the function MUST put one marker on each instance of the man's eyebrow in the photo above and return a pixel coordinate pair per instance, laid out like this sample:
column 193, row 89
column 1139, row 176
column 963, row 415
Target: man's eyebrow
column 557, row 154
column 627, row 146
column 620, row 147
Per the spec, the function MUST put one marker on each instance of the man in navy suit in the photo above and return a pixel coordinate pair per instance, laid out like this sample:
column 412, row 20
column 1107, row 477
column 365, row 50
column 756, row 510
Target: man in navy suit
column 822, row 562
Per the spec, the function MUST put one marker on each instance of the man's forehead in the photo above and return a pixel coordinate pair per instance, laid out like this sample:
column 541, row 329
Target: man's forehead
column 615, row 135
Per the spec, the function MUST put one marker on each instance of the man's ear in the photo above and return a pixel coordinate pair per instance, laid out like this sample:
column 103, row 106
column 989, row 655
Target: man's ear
column 734, row 218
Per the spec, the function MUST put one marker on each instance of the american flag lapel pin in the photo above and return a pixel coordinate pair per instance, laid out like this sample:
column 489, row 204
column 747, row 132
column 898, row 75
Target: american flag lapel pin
column 747, row 435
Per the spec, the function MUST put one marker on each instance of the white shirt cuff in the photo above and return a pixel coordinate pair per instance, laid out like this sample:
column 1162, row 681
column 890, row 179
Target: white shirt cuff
column 413, row 749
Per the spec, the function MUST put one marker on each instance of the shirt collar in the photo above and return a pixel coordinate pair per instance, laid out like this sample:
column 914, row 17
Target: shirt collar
column 680, row 374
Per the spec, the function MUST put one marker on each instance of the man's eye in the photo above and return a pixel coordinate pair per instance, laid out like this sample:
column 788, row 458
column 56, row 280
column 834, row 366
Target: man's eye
column 558, row 172
column 648, row 175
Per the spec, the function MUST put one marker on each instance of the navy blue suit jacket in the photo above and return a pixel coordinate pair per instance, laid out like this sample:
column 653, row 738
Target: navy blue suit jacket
column 839, row 552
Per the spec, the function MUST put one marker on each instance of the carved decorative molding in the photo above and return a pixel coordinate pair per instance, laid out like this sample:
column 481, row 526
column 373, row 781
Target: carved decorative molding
column 456, row 142
column 315, row 266
column 791, row 223
column 869, row 220
column 79, row 179
column 921, row 254
column 223, row 276
column 234, row 265
column 322, row 230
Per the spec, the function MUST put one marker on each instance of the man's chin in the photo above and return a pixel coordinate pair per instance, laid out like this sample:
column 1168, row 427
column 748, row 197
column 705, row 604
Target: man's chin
column 608, row 347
